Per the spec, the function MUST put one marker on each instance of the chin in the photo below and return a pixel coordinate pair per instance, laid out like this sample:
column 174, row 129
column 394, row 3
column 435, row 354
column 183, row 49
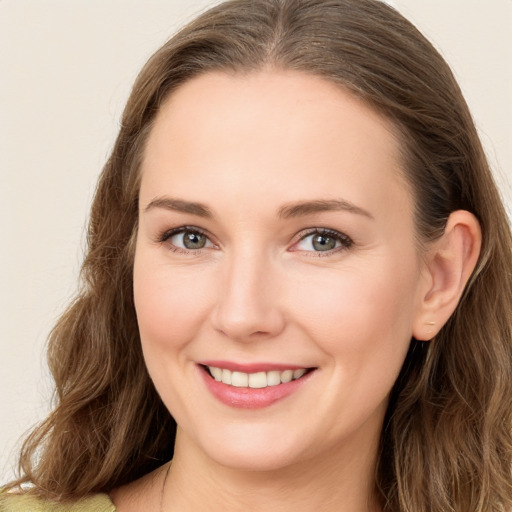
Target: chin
column 253, row 449
column 254, row 460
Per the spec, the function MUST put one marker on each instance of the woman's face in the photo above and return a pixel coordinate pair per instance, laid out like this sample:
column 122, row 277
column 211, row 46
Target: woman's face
column 276, row 242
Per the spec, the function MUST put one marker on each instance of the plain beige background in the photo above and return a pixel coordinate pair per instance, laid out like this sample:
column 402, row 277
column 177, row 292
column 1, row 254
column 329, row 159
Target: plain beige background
column 66, row 67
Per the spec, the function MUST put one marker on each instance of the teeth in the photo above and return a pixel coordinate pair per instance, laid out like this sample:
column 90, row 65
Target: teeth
column 255, row 380
column 258, row 380
column 297, row 374
column 216, row 373
column 273, row 378
column 239, row 379
column 286, row 376
column 226, row 376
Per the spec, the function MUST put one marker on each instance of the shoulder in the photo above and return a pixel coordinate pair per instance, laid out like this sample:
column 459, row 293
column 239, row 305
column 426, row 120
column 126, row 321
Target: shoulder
column 27, row 503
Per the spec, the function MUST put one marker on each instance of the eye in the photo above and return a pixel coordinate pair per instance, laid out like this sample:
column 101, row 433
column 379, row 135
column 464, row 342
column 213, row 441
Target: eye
column 323, row 240
column 187, row 239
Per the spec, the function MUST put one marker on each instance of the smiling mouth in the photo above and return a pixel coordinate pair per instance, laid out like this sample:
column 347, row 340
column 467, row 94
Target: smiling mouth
column 256, row 380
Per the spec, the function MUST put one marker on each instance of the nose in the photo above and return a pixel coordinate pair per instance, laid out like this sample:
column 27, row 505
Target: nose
column 248, row 306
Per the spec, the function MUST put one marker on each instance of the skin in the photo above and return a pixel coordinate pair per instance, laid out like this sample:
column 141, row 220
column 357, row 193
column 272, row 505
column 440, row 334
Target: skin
column 247, row 147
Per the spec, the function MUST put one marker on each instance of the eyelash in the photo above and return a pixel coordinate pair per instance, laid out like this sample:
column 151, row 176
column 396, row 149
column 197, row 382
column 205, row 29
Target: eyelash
column 166, row 235
column 345, row 241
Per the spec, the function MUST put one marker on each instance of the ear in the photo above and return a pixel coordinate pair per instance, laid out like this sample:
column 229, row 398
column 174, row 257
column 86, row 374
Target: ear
column 449, row 263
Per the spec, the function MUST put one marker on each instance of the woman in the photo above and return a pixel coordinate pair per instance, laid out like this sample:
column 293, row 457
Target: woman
column 297, row 286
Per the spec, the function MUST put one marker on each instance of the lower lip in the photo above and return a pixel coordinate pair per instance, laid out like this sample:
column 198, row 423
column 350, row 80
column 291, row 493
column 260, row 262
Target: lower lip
column 251, row 398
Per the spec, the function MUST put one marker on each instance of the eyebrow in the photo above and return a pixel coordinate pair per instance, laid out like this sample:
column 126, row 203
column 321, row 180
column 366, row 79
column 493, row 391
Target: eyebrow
column 303, row 208
column 179, row 205
column 296, row 209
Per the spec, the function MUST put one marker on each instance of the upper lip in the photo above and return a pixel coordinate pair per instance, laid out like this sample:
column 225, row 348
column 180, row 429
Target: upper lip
column 252, row 367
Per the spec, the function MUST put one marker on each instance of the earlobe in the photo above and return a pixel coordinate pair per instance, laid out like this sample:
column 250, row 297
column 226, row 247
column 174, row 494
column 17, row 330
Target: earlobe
column 449, row 263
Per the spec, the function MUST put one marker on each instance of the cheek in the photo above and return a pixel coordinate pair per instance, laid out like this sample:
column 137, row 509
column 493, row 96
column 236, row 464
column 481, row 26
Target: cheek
column 360, row 315
column 170, row 309
column 170, row 305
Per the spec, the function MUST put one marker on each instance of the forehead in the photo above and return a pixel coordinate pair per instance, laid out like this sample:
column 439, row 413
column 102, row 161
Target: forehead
column 273, row 99
column 273, row 132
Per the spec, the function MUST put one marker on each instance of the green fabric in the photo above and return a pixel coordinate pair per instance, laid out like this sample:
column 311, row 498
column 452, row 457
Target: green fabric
column 26, row 503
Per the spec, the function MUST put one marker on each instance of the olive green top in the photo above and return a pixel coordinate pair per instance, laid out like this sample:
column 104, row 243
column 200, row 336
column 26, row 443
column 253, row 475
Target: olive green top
column 26, row 503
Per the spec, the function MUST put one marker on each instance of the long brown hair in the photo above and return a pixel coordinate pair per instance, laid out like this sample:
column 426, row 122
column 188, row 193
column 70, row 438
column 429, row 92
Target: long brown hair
column 446, row 443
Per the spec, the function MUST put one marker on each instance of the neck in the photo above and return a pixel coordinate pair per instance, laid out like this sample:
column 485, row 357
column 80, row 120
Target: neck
column 341, row 480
